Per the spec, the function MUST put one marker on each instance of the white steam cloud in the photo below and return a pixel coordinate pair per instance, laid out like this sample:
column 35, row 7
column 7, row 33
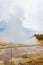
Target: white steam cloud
column 14, row 15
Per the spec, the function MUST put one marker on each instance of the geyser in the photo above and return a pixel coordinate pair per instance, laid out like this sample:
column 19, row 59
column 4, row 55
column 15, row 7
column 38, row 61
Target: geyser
column 14, row 31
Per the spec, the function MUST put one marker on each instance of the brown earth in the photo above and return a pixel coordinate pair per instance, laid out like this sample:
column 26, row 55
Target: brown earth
column 21, row 55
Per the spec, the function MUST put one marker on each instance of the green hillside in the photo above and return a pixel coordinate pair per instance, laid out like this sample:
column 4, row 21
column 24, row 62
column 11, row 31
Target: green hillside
column 39, row 36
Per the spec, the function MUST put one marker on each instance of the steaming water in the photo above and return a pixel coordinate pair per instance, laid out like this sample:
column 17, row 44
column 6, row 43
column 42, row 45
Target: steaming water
column 14, row 16
column 16, row 34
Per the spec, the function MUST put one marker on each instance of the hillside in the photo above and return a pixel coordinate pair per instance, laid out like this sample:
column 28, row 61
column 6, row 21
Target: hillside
column 39, row 37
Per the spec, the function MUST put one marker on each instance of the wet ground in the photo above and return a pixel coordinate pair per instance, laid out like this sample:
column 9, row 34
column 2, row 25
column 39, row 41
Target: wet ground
column 18, row 54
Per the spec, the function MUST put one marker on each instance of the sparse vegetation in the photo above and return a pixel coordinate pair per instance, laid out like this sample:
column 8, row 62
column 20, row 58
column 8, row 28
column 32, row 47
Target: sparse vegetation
column 1, row 63
column 39, row 36
column 11, row 63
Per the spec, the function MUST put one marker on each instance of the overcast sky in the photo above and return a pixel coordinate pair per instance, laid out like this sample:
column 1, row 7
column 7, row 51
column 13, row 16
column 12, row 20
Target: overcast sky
column 33, row 12
column 17, row 14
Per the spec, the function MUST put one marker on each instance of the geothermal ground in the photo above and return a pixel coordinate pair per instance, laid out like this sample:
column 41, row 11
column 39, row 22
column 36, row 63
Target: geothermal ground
column 21, row 55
